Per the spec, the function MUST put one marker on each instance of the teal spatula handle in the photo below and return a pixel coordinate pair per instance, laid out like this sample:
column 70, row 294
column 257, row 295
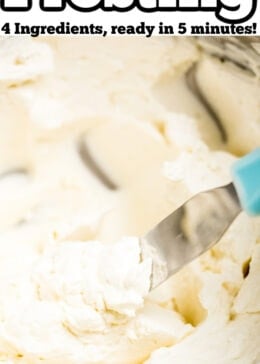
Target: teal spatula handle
column 246, row 178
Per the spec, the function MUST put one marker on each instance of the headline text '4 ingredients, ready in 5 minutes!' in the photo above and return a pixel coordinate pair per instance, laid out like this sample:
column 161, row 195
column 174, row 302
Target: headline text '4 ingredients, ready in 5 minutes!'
column 67, row 28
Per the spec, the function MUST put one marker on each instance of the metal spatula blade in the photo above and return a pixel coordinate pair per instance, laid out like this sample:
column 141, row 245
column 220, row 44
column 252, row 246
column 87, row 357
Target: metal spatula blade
column 189, row 231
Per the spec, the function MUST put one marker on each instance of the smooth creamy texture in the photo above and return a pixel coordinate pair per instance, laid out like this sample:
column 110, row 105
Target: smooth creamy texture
column 73, row 282
column 239, row 92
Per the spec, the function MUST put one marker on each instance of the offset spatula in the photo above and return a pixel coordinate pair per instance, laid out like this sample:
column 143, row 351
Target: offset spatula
column 200, row 223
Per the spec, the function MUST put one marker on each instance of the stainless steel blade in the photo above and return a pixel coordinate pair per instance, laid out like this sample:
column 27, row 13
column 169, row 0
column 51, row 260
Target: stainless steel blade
column 189, row 231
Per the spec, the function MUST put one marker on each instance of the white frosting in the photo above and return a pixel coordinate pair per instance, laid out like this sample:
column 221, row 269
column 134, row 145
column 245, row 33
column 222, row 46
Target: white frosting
column 103, row 278
column 200, row 169
column 197, row 166
column 229, row 331
column 234, row 96
column 248, row 298
column 75, row 291
column 22, row 60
